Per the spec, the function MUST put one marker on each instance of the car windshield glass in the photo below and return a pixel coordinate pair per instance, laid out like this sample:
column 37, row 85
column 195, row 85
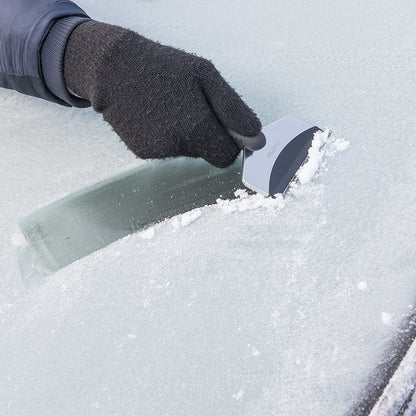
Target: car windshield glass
column 295, row 305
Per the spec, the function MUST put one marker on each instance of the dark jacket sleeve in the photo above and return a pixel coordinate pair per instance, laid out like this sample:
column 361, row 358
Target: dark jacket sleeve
column 33, row 36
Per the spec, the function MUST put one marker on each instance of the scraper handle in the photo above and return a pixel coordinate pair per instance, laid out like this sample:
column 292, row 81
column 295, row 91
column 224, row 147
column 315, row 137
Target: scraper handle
column 250, row 142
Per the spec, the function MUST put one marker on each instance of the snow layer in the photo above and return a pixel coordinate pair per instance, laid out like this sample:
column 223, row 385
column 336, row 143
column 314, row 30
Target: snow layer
column 238, row 308
column 321, row 145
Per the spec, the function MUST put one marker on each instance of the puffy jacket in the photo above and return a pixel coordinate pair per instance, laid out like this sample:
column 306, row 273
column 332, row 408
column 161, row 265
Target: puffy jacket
column 31, row 61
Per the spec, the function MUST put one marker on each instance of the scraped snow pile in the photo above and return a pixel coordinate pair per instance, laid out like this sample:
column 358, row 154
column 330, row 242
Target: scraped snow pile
column 255, row 306
column 321, row 145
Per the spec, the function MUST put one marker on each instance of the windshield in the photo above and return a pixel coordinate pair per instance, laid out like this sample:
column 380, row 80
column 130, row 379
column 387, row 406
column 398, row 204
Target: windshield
column 245, row 307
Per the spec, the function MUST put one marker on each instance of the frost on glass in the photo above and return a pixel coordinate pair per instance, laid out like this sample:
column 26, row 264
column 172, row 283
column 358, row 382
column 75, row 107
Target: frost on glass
column 249, row 306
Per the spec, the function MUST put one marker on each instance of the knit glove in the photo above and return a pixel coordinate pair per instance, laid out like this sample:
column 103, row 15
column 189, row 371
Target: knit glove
column 161, row 101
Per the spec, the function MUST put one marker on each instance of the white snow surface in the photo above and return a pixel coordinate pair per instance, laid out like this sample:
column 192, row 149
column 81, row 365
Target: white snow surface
column 321, row 146
column 248, row 307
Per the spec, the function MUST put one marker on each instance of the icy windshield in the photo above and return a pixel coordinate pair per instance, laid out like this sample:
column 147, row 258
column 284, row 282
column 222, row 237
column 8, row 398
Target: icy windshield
column 249, row 306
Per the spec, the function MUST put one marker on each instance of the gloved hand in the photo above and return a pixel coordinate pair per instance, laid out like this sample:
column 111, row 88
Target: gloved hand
column 161, row 101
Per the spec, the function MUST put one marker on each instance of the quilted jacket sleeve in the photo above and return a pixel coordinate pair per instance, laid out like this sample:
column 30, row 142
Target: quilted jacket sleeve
column 33, row 36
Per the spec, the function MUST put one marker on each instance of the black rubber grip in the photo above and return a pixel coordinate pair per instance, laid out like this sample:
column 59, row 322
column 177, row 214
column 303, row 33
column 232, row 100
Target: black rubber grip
column 250, row 142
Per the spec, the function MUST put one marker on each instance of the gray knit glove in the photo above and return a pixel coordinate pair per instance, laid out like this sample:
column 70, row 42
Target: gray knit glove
column 161, row 101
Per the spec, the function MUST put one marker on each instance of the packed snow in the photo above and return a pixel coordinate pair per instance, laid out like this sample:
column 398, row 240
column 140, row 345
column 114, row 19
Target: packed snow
column 253, row 306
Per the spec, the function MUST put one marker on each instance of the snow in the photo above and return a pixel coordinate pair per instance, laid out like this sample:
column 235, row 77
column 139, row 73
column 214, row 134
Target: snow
column 252, row 306
column 321, row 146
column 148, row 233
column 314, row 158
column 245, row 202
column 18, row 239
column 387, row 318
column 186, row 218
